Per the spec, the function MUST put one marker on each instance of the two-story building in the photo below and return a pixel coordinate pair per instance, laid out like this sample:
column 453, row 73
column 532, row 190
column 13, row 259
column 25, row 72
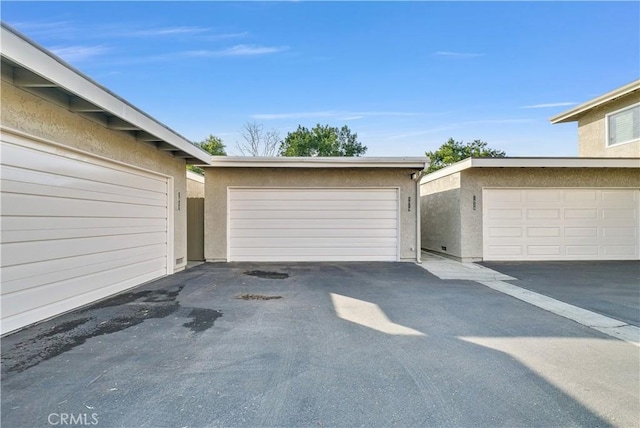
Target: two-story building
column 581, row 208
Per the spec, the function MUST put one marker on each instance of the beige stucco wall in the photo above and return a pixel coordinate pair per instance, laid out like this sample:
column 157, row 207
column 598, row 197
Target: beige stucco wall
column 35, row 116
column 591, row 131
column 440, row 215
column 218, row 179
column 195, row 189
column 475, row 179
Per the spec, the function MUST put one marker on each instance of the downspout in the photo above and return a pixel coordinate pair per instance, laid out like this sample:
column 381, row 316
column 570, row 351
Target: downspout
column 418, row 225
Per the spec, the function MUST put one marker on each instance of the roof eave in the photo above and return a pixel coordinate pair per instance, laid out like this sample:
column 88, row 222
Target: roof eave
column 575, row 113
column 42, row 69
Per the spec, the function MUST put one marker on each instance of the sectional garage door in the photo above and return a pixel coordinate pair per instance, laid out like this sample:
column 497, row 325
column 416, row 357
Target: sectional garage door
column 285, row 224
column 74, row 229
column 561, row 224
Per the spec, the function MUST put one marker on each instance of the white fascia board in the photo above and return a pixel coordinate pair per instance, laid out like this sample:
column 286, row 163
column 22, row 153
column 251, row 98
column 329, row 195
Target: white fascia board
column 195, row 177
column 36, row 59
column 573, row 114
column 317, row 162
column 532, row 163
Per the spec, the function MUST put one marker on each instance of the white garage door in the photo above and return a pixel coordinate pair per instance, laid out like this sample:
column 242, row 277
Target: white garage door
column 313, row 224
column 561, row 224
column 74, row 229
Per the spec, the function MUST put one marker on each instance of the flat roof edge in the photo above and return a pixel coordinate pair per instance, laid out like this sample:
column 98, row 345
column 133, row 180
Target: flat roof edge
column 317, row 162
column 532, row 162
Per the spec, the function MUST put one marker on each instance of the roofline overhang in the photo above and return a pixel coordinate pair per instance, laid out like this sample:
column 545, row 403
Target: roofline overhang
column 39, row 70
column 532, row 162
column 575, row 113
column 316, row 162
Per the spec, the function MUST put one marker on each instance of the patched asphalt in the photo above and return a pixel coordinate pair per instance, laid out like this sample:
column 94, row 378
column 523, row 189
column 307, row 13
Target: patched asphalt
column 187, row 351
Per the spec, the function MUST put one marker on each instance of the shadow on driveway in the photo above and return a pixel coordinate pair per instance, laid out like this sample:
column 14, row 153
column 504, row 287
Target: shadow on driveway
column 190, row 350
column 610, row 288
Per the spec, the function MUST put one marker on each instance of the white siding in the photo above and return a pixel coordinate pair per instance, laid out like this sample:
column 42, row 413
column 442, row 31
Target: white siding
column 313, row 224
column 74, row 229
column 561, row 224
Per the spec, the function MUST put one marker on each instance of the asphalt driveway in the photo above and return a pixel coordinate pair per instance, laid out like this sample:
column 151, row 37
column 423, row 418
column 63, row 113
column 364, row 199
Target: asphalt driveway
column 301, row 345
column 610, row 288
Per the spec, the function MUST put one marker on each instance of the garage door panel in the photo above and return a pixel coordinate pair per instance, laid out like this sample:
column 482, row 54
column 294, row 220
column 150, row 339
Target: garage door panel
column 582, row 250
column 311, row 252
column 313, row 233
column 327, row 195
column 70, row 164
column 58, row 192
column 75, row 228
column 23, row 300
column 315, row 205
column 28, row 252
column 577, row 224
column 313, row 224
column 45, row 272
column 327, row 241
column 38, row 235
column 42, row 206
column 65, row 184
column 626, row 251
column 313, row 215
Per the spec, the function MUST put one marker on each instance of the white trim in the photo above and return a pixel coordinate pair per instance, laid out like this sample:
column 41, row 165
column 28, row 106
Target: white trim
column 532, row 163
column 195, row 177
column 316, row 162
column 418, row 225
column 398, row 221
column 573, row 114
column 606, row 127
column 34, row 58
column 171, row 237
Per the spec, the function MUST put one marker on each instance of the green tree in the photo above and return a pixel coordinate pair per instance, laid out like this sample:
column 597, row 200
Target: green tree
column 321, row 141
column 454, row 151
column 212, row 145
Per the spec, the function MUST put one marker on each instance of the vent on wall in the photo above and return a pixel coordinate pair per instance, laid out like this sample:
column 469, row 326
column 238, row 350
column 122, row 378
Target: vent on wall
column 180, row 260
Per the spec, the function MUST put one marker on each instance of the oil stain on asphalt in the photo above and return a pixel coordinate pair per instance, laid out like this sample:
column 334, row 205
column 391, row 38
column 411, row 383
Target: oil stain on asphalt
column 105, row 317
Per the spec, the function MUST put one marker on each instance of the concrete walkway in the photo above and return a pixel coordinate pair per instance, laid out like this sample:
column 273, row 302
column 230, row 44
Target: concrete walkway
column 445, row 268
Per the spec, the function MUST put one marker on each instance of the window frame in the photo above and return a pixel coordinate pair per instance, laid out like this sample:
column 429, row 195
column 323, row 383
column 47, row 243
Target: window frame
column 606, row 127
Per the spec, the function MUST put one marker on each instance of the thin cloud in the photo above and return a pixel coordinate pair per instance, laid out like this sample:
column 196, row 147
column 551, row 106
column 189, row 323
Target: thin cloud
column 79, row 53
column 216, row 37
column 51, row 29
column 547, row 105
column 455, row 125
column 166, row 31
column 238, row 50
column 346, row 115
column 449, row 54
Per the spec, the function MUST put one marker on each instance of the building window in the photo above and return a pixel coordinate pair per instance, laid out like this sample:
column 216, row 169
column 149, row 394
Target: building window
column 623, row 126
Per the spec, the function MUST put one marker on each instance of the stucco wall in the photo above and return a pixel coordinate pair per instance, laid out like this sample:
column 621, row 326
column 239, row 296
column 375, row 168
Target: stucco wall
column 440, row 215
column 195, row 189
column 474, row 179
column 217, row 180
column 591, row 131
column 28, row 113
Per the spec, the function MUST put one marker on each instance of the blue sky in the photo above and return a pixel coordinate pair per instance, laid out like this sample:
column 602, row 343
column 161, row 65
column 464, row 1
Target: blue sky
column 405, row 76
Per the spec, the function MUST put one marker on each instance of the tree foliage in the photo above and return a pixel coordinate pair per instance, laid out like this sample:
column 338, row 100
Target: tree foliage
column 322, row 141
column 212, row 145
column 454, row 151
column 257, row 141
